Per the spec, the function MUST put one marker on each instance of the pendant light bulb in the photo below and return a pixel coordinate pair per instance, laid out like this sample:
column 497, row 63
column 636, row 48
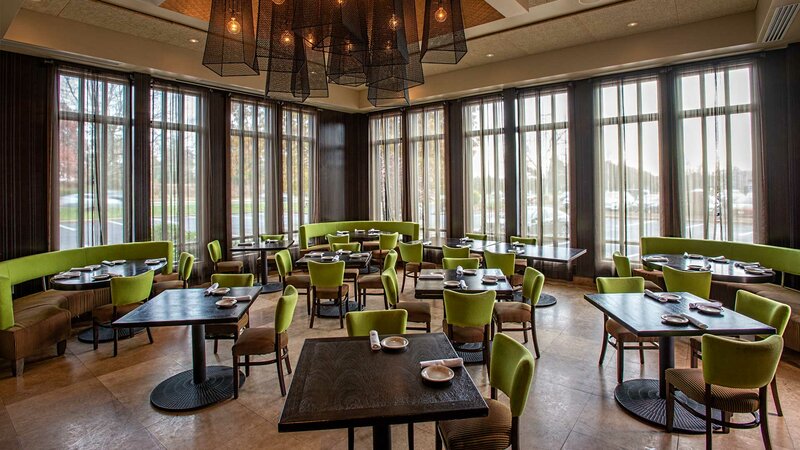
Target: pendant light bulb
column 394, row 22
column 441, row 14
column 287, row 38
column 233, row 26
column 278, row 2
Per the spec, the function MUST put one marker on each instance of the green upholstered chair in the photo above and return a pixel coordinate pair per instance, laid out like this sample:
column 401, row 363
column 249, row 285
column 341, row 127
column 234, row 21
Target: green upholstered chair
column 327, row 283
column 220, row 266
column 386, row 243
column 181, row 281
column 217, row 331
column 764, row 310
column 455, row 252
column 522, row 312
column 351, row 275
column 337, row 239
column 465, row 263
column 411, row 254
column 734, row 379
column 283, row 260
column 468, row 318
column 476, row 236
column 266, row 340
column 521, row 263
column 372, row 285
column 270, row 257
column 418, row 311
column 346, row 246
column 504, row 262
column 393, row 321
column 623, row 339
column 511, row 372
column 127, row 294
column 697, row 283
column 622, row 264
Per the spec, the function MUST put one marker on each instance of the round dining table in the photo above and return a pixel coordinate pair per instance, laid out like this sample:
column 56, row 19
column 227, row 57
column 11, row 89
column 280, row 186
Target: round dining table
column 722, row 270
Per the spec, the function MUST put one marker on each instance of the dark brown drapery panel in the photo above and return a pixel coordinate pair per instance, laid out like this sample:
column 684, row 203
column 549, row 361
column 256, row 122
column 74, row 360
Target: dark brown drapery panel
column 669, row 160
column 141, row 157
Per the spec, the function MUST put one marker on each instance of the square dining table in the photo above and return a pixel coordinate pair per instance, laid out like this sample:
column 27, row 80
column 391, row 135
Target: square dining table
column 264, row 247
column 475, row 245
column 342, row 383
column 646, row 398
column 434, row 288
column 202, row 386
column 349, row 262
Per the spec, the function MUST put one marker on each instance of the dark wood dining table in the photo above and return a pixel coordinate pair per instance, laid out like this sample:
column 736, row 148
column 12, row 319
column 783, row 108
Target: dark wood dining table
column 202, row 385
column 434, row 288
column 646, row 398
column 720, row 271
column 341, row 383
column 356, row 263
column 264, row 247
column 475, row 246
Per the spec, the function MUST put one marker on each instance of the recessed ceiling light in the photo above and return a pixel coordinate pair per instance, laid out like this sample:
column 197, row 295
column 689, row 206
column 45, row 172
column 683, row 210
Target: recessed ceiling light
column 633, row 24
column 194, row 41
column 490, row 55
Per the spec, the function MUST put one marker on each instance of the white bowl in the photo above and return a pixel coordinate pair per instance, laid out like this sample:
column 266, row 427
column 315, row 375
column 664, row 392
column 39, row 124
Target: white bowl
column 438, row 373
column 226, row 302
column 394, row 343
column 489, row 279
column 221, row 291
column 452, row 283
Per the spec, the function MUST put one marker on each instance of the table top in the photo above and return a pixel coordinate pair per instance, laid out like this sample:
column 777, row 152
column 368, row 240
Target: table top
column 726, row 271
column 348, row 261
column 474, row 245
column 340, row 383
column 263, row 246
column 642, row 315
column 188, row 307
column 129, row 268
column 361, row 235
column 435, row 288
column 541, row 252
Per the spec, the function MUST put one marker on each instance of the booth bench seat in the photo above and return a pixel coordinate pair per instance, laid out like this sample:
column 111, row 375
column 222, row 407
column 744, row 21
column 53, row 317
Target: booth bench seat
column 782, row 260
column 312, row 232
column 30, row 323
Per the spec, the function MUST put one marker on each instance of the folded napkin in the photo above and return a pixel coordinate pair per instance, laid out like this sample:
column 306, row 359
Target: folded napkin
column 373, row 230
column 211, row 288
column 359, row 231
column 342, row 232
column 374, row 341
column 459, row 270
column 426, row 242
column 657, row 259
column 449, row 362
column 743, row 265
column 154, row 260
column 695, row 322
column 708, row 303
column 108, row 263
column 431, row 276
column 463, row 284
column 66, row 275
column 654, row 296
column 238, row 298
column 466, row 239
column 717, row 258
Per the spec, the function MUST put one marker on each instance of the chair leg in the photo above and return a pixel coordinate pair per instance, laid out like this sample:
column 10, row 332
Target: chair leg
column 427, row 327
column 17, row 367
column 149, row 335
column 604, row 347
column 708, row 417
column 235, row 377
column 641, row 353
column 620, row 361
column 116, row 340
column 693, row 359
column 438, row 436
column 308, row 301
column 247, row 365
column 61, row 348
column 351, row 438
column 762, row 408
column 670, row 408
column 288, row 364
column 314, row 311
column 535, row 338
column 216, row 345
column 341, row 317
column 775, row 398
column 385, row 302
column 95, row 334
column 411, row 436
column 281, row 382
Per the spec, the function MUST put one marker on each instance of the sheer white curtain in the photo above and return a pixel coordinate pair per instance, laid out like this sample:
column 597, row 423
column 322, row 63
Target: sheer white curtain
column 299, row 168
column 386, row 166
column 428, row 168
column 92, row 159
column 484, row 167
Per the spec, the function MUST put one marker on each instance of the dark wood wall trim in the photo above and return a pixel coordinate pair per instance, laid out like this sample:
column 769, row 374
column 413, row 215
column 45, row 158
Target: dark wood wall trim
column 141, row 157
column 219, row 209
column 582, row 195
column 511, row 159
column 332, row 147
column 455, row 188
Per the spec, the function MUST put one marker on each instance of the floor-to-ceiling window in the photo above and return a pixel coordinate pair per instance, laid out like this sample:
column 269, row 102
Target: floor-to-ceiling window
column 716, row 127
column 93, row 159
column 177, row 165
column 299, row 167
column 252, row 180
column 386, row 166
column 628, row 145
column 484, row 167
column 427, row 156
column 543, row 127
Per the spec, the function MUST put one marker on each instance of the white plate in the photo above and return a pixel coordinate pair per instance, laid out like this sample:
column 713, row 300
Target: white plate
column 670, row 297
column 674, row 319
column 452, row 283
column 754, row 270
column 344, row 252
column 470, row 272
column 118, row 261
column 101, row 277
column 328, row 258
column 394, row 343
column 226, row 302
column 697, row 267
column 221, row 291
column 489, row 279
column 438, row 373
column 709, row 309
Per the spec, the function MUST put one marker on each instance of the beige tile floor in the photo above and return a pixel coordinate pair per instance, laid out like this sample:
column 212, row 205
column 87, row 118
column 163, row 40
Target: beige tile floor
column 89, row 399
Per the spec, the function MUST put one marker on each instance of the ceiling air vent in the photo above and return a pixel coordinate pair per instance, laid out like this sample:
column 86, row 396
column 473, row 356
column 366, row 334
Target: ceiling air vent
column 781, row 20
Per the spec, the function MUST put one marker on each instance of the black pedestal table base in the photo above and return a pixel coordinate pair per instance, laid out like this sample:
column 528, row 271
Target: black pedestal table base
column 470, row 357
column 268, row 288
column 331, row 310
column 640, row 398
column 106, row 334
column 180, row 393
column 546, row 300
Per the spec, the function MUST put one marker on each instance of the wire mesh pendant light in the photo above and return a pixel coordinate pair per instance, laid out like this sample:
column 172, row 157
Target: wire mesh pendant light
column 230, row 43
column 443, row 38
column 322, row 22
column 346, row 60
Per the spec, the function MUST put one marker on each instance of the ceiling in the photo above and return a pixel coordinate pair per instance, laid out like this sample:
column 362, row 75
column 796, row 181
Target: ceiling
column 546, row 26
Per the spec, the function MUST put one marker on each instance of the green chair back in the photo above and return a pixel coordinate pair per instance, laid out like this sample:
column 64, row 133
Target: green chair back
column 740, row 364
column 466, row 263
column 455, row 252
column 469, row 310
column 532, row 284
column 390, row 260
column 185, row 265
column 284, row 311
column 230, row 280
column 512, row 367
column 214, row 251
column 622, row 264
column 619, row 285
column 283, row 259
column 522, row 240
column 697, row 283
column 764, row 310
column 272, row 237
column 411, row 252
column 392, row 321
column 336, row 239
column 135, row 289
column 390, row 285
column 502, row 261
column 476, row 236
column 351, row 246
column 388, row 241
column 326, row 275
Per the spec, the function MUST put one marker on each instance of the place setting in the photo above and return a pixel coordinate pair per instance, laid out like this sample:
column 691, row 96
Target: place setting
column 439, row 372
column 388, row 344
